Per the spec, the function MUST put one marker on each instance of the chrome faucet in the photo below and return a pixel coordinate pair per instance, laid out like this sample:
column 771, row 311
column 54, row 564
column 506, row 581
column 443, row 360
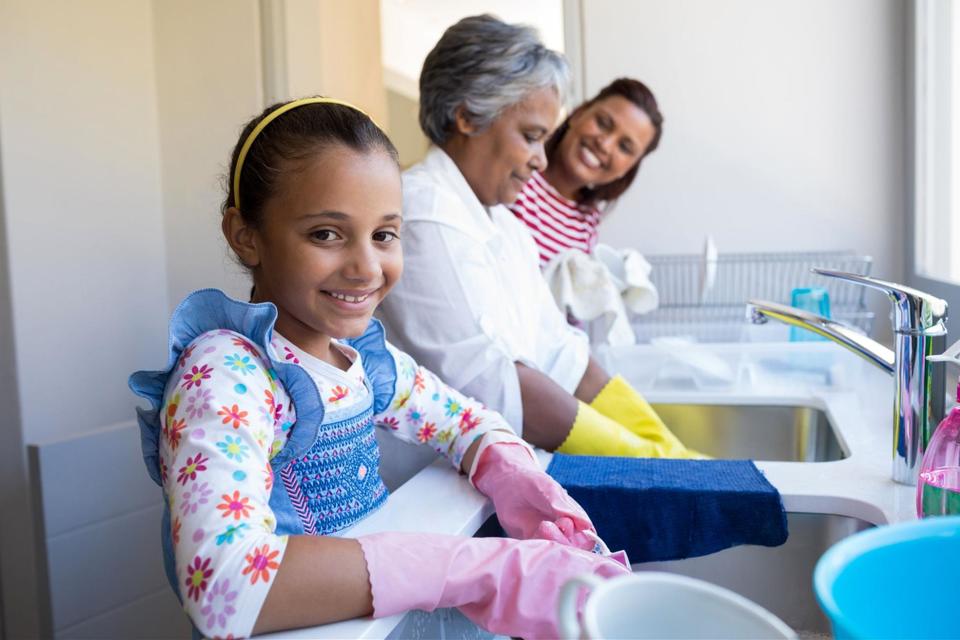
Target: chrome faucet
column 919, row 331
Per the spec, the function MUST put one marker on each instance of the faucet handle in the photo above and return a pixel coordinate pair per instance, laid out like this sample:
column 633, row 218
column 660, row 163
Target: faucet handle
column 913, row 311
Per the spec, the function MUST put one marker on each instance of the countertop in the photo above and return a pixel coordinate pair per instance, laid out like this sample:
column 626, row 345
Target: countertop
column 856, row 396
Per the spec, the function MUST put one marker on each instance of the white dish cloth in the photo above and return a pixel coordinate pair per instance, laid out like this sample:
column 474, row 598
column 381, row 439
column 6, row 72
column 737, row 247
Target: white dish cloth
column 600, row 289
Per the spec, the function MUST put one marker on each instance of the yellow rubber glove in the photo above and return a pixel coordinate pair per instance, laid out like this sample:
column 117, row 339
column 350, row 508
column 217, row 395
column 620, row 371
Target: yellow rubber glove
column 594, row 434
column 620, row 402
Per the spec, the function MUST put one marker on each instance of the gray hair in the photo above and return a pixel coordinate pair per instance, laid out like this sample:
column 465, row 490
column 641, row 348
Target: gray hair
column 486, row 65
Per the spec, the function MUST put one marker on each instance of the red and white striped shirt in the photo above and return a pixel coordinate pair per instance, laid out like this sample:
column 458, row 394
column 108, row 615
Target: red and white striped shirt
column 555, row 222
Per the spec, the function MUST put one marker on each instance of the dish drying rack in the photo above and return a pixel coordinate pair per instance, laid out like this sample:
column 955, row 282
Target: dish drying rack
column 704, row 296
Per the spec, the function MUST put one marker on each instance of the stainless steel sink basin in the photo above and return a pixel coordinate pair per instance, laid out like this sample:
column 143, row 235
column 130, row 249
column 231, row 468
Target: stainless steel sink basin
column 779, row 579
column 759, row 432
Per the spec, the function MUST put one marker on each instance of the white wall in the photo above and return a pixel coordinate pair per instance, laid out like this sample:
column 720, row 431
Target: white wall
column 82, row 201
column 85, row 247
column 209, row 84
column 405, row 130
column 348, row 66
column 785, row 124
column 14, row 500
column 81, row 189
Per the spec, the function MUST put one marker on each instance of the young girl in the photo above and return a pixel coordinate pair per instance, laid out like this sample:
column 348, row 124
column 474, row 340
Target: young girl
column 261, row 428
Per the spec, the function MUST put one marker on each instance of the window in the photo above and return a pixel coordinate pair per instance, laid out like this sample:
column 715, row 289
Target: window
column 410, row 29
column 937, row 143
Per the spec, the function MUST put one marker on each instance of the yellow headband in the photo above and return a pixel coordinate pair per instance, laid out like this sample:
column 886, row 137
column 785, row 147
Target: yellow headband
column 270, row 117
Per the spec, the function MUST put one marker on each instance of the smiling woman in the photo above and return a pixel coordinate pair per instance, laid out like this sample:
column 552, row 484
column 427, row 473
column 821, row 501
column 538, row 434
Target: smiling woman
column 594, row 155
column 472, row 302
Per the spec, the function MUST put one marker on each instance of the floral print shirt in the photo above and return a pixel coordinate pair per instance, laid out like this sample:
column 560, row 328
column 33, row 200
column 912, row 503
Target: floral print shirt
column 225, row 417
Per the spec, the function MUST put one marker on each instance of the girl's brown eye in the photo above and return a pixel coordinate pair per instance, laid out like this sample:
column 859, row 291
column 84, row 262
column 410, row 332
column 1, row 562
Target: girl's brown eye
column 323, row 235
column 385, row 237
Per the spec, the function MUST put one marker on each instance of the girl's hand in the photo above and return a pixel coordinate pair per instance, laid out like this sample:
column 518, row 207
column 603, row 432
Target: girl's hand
column 505, row 586
column 529, row 503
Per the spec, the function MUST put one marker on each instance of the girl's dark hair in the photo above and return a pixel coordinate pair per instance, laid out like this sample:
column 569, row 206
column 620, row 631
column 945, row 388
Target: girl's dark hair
column 637, row 93
column 295, row 136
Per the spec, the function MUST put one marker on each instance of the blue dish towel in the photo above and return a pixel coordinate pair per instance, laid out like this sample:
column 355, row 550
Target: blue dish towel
column 671, row 509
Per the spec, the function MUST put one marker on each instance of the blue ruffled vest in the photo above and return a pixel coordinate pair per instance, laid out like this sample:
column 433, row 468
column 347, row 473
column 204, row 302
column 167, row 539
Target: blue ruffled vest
column 327, row 475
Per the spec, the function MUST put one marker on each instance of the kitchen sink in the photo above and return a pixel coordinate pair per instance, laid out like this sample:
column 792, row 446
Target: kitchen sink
column 779, row 579
column 758, row 432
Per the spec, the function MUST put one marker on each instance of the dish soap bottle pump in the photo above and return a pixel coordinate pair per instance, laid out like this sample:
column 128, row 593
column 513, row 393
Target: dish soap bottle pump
column 938, row 486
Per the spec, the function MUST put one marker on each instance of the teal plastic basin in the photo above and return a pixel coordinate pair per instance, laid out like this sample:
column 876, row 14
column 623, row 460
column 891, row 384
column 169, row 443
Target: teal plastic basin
column 897, row 581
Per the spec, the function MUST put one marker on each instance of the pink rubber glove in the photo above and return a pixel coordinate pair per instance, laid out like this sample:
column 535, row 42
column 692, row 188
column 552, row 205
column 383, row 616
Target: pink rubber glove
column 529, row 503
column 505, row 586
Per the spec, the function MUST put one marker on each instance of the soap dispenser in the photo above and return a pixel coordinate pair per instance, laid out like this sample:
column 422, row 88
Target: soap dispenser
column 938, row 486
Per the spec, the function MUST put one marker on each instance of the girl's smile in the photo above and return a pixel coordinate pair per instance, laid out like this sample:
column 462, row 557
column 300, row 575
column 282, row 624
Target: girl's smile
column 350, row 298
column 355, row 302
column 328, row 249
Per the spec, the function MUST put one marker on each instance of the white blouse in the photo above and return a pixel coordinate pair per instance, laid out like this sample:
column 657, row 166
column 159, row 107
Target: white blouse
column 472, row 301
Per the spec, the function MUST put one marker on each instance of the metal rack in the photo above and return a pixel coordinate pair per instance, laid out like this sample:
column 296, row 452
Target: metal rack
column 706, row 298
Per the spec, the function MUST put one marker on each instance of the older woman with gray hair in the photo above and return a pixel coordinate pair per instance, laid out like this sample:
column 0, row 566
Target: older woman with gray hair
column 472, row 304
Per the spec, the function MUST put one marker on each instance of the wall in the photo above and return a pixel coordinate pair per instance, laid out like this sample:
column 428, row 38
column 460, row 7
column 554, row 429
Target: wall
column 107, row 532
column 349, row 31
column 405, row 130
column 82, row 199
column 84, row 232
column 785, row 124
column 14, row 500
column 209, row 83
